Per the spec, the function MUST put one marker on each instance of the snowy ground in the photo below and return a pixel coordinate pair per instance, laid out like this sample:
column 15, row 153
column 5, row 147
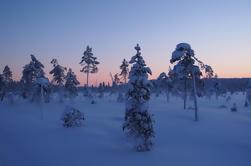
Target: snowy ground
column 220, row 138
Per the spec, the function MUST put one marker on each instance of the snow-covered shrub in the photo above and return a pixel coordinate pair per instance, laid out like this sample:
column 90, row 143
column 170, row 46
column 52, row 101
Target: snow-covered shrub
column 138, row 122
column 222, row 106
column 93, row 101
column 246, row 104
column 234, row 108
column 72, row 117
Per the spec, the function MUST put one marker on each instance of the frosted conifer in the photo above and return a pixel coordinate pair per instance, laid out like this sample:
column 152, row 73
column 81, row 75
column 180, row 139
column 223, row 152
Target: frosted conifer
column 124, row 70
column 30, row 73
column 89, row 63
column 7, row 74
column 71, row 83
column 138, row 122
column 58, row 73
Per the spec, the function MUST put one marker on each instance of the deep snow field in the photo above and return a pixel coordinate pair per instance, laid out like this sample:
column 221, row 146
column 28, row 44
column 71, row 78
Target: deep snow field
column 219, row 138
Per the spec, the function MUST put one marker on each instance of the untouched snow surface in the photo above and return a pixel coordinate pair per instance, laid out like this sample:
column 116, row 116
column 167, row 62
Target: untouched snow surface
column 220, row 138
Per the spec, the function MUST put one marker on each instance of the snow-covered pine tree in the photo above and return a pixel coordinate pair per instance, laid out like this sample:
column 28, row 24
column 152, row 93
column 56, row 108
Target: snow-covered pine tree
column 58, row 77
column 2, row 86
column 89, row 63
column 7, row 81
column 58, row 73
column 138, row 122
column 124, row 74
column 71, row 83
column 30, row 72
column 124, row 70
column 186, row 69
column 208, row 71
column 7, row 74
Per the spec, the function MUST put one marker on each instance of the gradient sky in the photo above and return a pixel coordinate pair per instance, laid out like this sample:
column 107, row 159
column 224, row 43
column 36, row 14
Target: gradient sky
column 218, row 30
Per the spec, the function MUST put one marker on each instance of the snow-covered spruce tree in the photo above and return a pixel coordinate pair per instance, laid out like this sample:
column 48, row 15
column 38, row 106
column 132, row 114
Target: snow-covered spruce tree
column 124, row 70
column 71, row 83
column 138, row 122
column 58, row 77
column 7, row 74
column 89, row 63
column 2, row 86
column 209, row 71
column 30, row 72
column 58, row 73
column 124, row 74
column 7, row 81
column 186, row 69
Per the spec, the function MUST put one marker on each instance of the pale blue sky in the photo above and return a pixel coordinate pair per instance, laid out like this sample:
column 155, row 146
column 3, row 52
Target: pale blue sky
column 218, row 30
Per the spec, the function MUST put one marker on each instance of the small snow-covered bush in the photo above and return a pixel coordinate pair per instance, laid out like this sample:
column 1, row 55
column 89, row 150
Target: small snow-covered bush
column 234, row 108
column 72, row 117
column 222, row 106
column 246, row 104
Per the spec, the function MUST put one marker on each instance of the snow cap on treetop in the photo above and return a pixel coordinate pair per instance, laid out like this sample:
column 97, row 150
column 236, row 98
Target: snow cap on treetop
column 88, row 50
column 182, row 49
column 137, row 47
column 183, row 46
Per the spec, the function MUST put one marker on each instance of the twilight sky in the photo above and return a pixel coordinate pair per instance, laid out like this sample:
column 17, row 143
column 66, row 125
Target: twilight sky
column 218, row 30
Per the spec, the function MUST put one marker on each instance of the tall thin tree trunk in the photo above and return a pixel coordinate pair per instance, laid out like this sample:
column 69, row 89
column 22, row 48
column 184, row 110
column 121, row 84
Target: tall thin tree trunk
column 87, row 79
column 41, row 101
column 195, row 99
column 185, row 93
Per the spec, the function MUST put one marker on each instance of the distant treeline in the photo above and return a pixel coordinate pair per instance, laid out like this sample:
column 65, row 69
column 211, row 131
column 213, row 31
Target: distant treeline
column 231, row 84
